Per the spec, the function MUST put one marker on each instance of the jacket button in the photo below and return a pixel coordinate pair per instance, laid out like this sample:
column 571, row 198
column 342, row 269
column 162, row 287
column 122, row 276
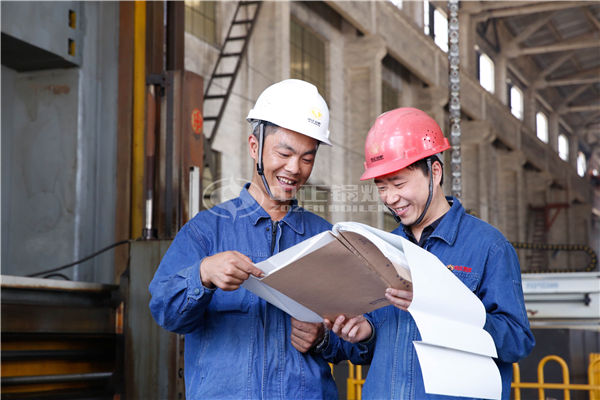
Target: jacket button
column 196, row 291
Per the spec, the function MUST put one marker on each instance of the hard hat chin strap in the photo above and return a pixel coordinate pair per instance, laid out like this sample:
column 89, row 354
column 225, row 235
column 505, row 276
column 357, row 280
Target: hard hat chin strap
column 396, row 217
column 259, row 161
column 418, row 221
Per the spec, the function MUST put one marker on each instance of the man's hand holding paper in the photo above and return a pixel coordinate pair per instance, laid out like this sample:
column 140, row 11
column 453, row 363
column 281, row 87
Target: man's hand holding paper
column 399, row 298
column 353, row 330
column 227, row 270
column 306, row 334
column 357, row 329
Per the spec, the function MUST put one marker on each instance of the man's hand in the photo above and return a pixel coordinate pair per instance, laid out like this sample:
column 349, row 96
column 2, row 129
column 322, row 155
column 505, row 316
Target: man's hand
column 399, row 298
column 352, row 330
column 306, row 334
column 227, row 270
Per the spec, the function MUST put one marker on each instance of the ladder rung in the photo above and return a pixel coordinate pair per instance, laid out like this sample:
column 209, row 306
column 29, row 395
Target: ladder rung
column 234, row 38
column 231, row 54
column 222, row 75
column 210, row 118
column 242, row 21
column 214, row 96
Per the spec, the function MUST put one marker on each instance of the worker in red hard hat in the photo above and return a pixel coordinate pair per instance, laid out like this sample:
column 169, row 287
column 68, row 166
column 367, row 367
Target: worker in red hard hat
column 401, row 143
column 401, row 156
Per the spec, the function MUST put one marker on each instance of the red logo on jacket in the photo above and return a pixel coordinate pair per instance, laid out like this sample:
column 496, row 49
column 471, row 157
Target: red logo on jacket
column 458, row 268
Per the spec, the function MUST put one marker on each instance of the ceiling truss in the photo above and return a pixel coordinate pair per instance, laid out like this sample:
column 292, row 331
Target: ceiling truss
column 555, row 47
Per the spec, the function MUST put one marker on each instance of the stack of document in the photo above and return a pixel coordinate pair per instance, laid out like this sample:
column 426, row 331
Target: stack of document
column 346, row 271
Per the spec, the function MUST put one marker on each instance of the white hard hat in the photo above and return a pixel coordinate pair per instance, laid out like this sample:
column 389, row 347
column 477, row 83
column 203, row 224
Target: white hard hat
column 295, row 105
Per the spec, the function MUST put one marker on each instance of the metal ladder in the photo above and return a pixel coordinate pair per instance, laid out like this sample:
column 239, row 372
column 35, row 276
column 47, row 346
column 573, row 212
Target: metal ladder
column 223, row 77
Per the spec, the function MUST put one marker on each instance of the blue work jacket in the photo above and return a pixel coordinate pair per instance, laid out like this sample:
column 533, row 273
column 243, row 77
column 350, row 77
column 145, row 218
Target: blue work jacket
column 486, row 263
column 237, row 346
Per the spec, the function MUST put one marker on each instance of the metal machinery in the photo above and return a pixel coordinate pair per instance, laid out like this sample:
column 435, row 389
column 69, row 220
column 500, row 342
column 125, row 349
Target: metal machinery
column 563, row 299
column 564, row 312
column 61, row 340
column 178, row 148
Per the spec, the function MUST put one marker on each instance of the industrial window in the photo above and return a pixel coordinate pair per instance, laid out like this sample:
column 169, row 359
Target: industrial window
column 515, row 99
column 435, row 25
column 486, row 72
column 541, row 126
column 389, row 97
column 200, row 19
column 581, row 164
column 397, row 3
column 307, row 56
column 440, row 29
column 563, row 147
column 427, row 18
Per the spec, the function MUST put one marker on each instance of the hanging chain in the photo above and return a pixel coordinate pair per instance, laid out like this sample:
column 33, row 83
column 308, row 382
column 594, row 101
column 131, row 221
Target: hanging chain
column 454, row 97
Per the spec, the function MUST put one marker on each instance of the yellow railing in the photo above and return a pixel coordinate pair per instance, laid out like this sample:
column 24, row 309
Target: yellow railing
column 356, row 380
column 593, row 386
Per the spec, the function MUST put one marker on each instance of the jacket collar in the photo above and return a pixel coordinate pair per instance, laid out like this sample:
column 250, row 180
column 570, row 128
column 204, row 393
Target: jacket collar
column 293, row 218
column 447, row 230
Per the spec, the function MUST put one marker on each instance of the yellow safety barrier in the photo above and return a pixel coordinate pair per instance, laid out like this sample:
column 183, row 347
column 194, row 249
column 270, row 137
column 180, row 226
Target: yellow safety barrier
column 594, row 375
column 356, row 380
column 593, row 385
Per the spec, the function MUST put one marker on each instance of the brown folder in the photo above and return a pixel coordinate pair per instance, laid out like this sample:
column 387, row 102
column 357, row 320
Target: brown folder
column 346, row 276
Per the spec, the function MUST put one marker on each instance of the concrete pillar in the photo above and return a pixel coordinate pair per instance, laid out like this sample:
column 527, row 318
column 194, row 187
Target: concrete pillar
column 414, row 10
column 537, row 184
column 432, row 100
column 475, row 144
column 573, row 149
column 553, row 131
column 529, row 108
column 500, row 78
column 579, row 231
column 467, row 44
column 362, row 60
column 511, row 203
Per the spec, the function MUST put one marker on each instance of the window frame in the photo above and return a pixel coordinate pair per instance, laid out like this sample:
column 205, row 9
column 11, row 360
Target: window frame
column 520, row 110
column 581, row 166
column 305, row 29
column 430, row 11
column 440, row 40
column 563, row 153
column 482, row 55
column 191, row 11
column 545, row 137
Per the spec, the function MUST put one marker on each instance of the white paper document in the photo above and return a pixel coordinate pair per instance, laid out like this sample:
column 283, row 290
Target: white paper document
column 449, row 316
column 442, row 367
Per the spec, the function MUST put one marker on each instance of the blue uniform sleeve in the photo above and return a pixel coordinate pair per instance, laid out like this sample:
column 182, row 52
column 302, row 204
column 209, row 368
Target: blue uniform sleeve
column 357, row 353
column 501, row 293
column 178, row 297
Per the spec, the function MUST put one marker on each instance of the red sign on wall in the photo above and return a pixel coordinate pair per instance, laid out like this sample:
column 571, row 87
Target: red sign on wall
column 197, row 121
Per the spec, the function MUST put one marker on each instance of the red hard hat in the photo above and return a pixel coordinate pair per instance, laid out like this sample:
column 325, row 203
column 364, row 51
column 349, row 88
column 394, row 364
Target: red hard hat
column 399, row 138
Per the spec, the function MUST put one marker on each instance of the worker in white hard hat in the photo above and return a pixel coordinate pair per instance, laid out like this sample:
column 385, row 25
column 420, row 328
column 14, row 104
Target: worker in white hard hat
column 402, row 158
column 236, row 344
